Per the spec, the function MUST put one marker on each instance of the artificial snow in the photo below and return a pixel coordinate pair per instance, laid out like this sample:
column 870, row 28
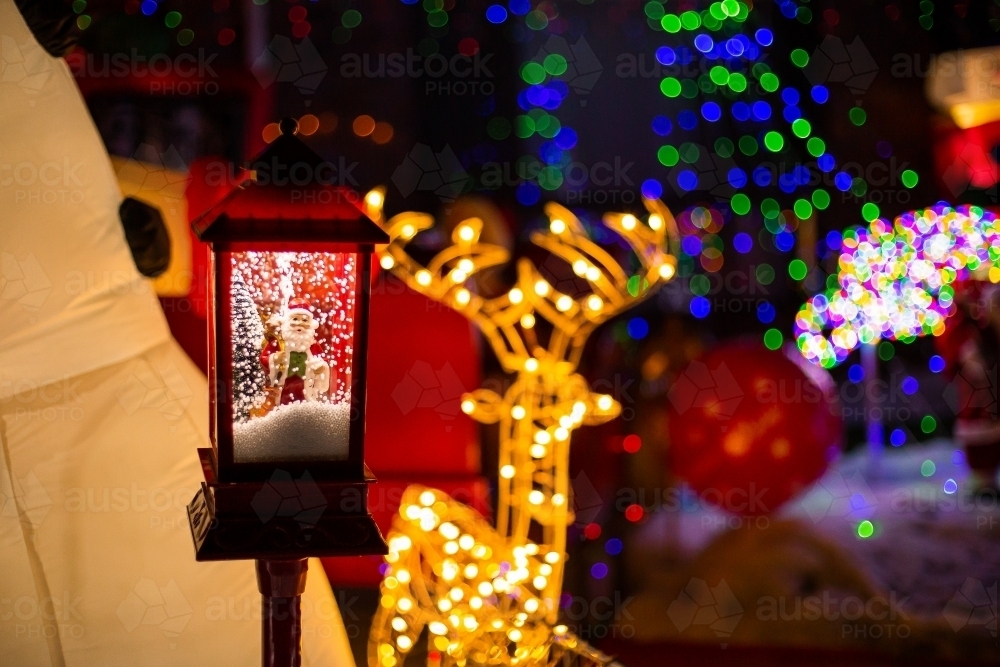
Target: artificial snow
column 303, row 431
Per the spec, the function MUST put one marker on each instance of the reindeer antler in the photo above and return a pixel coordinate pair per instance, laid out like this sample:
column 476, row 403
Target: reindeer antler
column 507, row 320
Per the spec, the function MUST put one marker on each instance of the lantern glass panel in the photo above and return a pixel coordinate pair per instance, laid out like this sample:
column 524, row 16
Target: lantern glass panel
column 292, row 340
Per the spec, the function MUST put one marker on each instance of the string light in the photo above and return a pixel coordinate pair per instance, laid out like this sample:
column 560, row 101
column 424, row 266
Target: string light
column 492, row 595
column 896, row 280
column 731, row 59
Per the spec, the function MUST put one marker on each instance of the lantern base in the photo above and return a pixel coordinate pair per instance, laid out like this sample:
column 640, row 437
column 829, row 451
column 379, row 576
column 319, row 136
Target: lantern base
column 283, row 518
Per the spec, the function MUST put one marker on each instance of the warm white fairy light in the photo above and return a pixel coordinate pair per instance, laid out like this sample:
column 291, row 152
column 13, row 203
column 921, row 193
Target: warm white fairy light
column 492, row 595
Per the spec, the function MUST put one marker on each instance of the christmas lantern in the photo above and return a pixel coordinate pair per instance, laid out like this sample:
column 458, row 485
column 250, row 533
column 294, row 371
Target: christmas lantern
column 285, row 478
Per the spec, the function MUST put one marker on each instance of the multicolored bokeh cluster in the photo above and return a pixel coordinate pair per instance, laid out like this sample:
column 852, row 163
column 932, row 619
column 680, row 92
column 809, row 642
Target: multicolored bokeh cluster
column 896, row 281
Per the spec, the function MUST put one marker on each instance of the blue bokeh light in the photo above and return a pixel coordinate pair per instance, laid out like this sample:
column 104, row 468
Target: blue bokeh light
column 703, row 43
column 519, row 7
column 638, row 328
column 762, row 176
column 700, row 307
column 743, row 243
column 936, row 364
column 496, row 14
column 687, row 180
column 666, row 55
column 766, row 312
column 687, row 119
column 662, row 126
column 791, row 114
column 598, row 570
column 566, row 138
column 737, row 177
column 651, row 189
column 528, row 193
column 761, row 110
column 691, row 245
column 820, row 94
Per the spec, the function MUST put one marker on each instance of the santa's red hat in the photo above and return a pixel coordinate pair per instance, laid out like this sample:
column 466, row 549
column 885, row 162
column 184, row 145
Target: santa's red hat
column 299, row 306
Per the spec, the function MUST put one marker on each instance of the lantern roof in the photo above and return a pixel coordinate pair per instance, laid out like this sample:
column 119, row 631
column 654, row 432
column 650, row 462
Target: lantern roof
column 289, row 193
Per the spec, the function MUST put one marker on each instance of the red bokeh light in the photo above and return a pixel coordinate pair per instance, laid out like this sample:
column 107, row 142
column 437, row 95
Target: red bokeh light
column 468, row 47
column 226, row 36
column 634, row 513
column 592, row 531
column 632, row 443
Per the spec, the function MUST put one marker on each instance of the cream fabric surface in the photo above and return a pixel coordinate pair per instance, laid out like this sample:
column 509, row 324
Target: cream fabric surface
column 101, row 415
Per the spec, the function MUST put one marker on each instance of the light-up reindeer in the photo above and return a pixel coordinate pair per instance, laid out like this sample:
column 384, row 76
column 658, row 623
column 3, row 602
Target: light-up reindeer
column 492, row 595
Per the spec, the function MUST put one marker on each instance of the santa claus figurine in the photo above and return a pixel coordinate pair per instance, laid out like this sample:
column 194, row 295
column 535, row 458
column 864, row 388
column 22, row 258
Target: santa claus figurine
column 295, row 364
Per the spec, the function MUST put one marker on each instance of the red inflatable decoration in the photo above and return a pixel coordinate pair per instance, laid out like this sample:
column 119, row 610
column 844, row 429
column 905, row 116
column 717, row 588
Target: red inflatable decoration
column 749, row 428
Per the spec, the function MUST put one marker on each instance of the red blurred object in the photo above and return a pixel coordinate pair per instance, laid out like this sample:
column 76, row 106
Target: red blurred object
column 749, row 429
column 964, row 158
column 423, row 357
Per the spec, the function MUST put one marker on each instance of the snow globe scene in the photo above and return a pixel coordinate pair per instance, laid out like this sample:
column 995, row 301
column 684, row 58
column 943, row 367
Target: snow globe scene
column 292, row 333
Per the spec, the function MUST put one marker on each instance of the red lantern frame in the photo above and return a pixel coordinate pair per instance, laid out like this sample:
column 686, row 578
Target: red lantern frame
column 263, row 214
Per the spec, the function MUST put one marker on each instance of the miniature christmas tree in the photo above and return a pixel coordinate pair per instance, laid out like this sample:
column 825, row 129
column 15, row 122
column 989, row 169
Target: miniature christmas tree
column 248, row 336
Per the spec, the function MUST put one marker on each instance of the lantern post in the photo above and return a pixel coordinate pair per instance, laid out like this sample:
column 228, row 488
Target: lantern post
column 285, row 477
